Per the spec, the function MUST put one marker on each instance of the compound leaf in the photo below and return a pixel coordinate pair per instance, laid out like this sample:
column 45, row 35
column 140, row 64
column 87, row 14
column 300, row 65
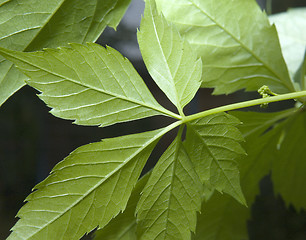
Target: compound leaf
column 123, row 226
column 290, row 27
column 238, row 46
column 35, row 24
column 170, row 60
column 170, row 200
column 87, row 189
column 212, row 143
column 88, row 83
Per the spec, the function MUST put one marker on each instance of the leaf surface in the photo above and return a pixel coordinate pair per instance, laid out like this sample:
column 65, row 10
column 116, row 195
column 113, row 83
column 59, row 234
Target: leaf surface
column 213, row 145
column 290, row 27
column 35, row 24
column 170, row 200
column 87, row 189
column 170, row 60
column 87, row 83
column 223, row 218
column 123, row 226
column 230, row 42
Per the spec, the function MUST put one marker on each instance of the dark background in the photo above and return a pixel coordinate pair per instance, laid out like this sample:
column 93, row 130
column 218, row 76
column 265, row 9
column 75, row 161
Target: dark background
column 32, row 141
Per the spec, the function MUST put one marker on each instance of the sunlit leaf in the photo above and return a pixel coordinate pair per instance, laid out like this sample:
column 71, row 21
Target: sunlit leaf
column 87, row 83
column 213, row 145
column 291, row 27
column 35, row 24
column 170, row 200
column 87, row 189
column 123, row 226
column 238, row 46
column 170, row 60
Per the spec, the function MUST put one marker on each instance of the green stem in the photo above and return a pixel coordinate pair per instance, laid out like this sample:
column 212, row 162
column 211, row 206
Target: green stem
column 244, row 105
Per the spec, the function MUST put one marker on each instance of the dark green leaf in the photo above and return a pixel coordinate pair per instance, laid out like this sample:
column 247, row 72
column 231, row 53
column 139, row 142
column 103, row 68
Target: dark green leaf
column 223, row 218
column 289, row 161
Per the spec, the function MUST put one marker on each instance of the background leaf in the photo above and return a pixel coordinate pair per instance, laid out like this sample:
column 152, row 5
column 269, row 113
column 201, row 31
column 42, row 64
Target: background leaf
column 31, row 25
column 123, row 226
column 300, row 75
column 85, row 190
column 212, row 143
column 239, row 48
column 277, row 137
column 91, row 84
column 290, row 27
column 289, row 161
column 169, row 59
column 224, row 218
column 170, row 200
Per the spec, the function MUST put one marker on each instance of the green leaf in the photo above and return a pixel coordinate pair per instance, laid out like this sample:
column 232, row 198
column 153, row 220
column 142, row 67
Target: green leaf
column 87, row 189
column 88, row 83
column 213, row 145
column 291, row 27
column 238, row 46
column 273, row 142
column 289, row 161
column 36, row 24
column 170, row 200
column 300, row 75
column 123, row 227
column 224, row 218
column 169, row 59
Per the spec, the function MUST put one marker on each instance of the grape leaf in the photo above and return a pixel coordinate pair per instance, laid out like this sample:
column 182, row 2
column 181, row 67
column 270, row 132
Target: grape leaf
column 169, row 59
column 91, row 84
column 230, row 42
column 212, row 143
column 290, row 27
column 123, row 226
column 223, row 218
column 86, row 189
column 169, row 202
column 34, row 24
